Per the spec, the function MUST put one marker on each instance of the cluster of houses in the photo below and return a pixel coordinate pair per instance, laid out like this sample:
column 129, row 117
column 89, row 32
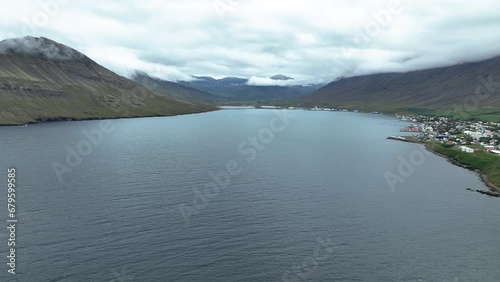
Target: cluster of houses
column 328, row 109
column 468, row 135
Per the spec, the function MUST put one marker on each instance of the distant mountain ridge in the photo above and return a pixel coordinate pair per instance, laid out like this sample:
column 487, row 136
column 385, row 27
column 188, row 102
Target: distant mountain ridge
column 238, row 89
column 281, row 77
column 42, row 80
column 464, row 90
column 175, row 90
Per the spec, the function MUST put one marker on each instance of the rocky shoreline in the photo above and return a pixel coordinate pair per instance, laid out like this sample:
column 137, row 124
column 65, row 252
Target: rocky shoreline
column 484, row 178
column 494, row 189
column 66, row 119
column 489, row 193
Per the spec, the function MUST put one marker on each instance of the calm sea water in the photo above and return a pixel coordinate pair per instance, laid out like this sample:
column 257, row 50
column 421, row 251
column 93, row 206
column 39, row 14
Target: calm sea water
column 308, row 201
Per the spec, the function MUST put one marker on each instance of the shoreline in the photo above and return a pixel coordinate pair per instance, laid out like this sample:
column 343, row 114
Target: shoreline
column 482, row 176
column 70, row 119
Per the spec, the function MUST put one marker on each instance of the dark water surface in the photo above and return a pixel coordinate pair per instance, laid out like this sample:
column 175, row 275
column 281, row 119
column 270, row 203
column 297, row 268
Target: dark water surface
column 308, row 202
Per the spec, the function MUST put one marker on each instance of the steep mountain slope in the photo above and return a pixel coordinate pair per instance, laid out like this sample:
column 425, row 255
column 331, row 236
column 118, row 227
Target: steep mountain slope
column 447, row 90
column 175, row 90
column 42, row 80
column 237, row 89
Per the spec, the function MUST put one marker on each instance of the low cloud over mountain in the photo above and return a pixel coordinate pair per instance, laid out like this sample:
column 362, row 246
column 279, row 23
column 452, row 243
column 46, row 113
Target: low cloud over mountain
column 32, row 46
column 312, row 41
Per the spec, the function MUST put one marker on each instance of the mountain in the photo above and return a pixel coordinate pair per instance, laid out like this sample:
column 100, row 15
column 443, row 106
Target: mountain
column 207, row 78
column 237, row 89
column 233, row 81
column 42, row 80
column 281, row 77
column 175, row 90
column 442, row 91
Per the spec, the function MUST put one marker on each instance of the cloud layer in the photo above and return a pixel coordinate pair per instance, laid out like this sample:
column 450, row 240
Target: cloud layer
column 311, row 41
column 38, row 47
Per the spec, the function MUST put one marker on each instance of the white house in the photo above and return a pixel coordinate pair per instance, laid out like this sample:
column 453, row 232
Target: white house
column 466, row 149
column 496, row 152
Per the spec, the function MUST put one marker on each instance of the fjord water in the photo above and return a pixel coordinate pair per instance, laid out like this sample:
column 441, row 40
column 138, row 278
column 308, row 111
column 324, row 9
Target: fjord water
column 117, row 216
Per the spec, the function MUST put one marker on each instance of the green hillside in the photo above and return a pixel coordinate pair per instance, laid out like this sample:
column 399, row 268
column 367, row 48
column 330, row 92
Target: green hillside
column 42, row 80
column 468, row 90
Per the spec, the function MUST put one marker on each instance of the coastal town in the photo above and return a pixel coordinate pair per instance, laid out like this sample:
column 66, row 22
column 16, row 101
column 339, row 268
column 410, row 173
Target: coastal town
column 471, row 144
column 468, row 136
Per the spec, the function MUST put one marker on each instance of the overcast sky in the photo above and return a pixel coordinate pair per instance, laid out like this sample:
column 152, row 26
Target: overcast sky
column 312, row 41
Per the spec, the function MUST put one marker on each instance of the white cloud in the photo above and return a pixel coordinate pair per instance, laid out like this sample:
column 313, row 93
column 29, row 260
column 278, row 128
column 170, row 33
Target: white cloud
column 308, row 40
column 267, row 81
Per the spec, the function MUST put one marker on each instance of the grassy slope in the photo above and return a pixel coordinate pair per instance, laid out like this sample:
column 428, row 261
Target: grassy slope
column 175, row 90
column 35, row 89
column 449, row 91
